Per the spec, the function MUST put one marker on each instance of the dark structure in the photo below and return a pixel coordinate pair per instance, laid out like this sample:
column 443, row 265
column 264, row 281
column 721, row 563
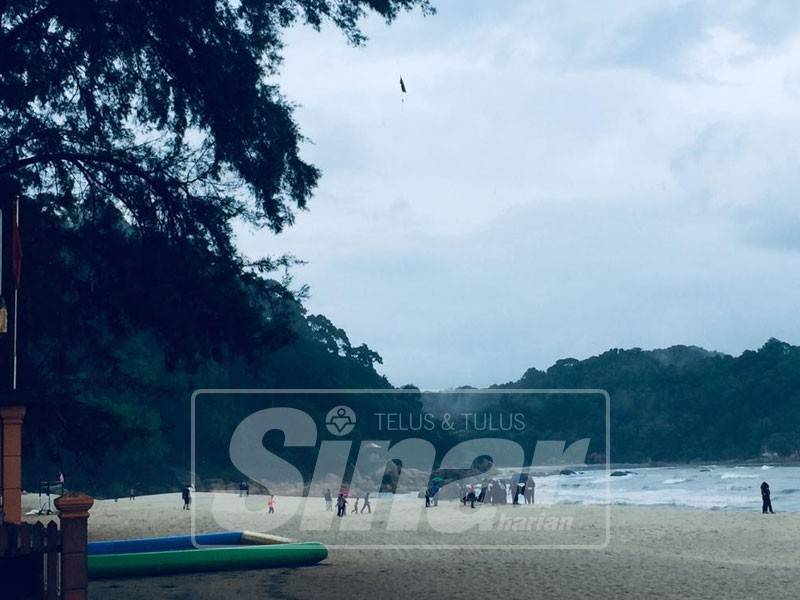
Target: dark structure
column 12, row 402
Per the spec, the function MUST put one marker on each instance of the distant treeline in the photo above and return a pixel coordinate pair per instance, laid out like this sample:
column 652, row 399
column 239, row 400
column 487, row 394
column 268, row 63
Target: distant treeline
column 684, row 403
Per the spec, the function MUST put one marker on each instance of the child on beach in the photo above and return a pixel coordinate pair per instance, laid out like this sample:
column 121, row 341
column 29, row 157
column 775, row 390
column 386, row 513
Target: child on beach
column 355, row 507
column 271, row 504
column 328, row 500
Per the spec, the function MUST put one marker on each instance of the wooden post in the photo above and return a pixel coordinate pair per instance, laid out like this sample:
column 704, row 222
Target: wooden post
column 51, row 561
column 73, row 511
column 11, row 417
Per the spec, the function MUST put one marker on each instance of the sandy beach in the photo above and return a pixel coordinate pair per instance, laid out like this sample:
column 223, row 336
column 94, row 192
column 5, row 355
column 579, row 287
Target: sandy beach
column 651, row 552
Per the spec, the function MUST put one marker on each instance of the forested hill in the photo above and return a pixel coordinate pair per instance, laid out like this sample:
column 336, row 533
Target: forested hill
column 118, row 330
column 684, row 403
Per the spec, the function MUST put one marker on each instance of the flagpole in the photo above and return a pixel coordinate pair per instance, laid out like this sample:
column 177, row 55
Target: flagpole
column 16, row 311
column 1, row 248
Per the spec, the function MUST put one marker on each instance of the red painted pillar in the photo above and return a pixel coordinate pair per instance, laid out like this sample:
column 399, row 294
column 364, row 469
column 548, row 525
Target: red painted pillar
column 73, row 511
column 11, row 417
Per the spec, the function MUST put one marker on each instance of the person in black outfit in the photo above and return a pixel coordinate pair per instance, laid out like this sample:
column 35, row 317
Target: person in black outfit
column 766, row 503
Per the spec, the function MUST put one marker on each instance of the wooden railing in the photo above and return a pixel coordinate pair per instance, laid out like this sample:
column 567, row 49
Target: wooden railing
column 38, row 561
column 30, row 561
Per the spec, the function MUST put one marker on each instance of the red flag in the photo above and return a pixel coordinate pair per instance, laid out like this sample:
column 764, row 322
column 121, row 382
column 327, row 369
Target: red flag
column 16, row 250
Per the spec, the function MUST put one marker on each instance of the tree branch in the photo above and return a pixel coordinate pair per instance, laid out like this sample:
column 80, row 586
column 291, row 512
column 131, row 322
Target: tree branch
column 50, row 157
column 25, row 26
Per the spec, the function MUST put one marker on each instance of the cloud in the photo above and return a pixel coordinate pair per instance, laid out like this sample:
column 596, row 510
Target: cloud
column 561, row 178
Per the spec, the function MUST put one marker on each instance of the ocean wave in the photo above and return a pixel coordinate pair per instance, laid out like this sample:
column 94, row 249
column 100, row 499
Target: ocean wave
column 738, row 476
column 729, row 489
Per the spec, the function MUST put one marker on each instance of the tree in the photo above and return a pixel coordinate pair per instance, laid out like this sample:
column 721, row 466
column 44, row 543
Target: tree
column 119, row 331
column 335, row 341
column 134, row 132
column 159, row 119
column 164, row 109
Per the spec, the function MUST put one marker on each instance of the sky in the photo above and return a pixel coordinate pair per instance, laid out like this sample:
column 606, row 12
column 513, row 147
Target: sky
column 560, row 179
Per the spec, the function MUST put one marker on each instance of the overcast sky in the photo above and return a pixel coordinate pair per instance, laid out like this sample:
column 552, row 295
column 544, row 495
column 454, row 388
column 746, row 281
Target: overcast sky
column 562, row 178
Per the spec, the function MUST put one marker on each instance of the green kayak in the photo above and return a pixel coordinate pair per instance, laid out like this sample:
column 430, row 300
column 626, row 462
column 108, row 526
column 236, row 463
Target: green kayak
column 136, row 564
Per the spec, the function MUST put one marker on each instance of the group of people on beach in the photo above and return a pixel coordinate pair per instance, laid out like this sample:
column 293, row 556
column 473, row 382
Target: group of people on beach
column 431, row 496
column 244, row 490
column 341, row 503
column 492, row 491
column 498, row 492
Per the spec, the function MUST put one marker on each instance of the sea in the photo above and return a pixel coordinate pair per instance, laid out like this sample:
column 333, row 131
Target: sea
column 709, row 487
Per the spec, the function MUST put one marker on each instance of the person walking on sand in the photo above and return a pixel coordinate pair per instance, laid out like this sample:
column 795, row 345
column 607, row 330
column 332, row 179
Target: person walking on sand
column 271, row 505
column 519, row 489
column 766, row 502
column 355, row 507
column 367, row 507
column 341, row 505
column 471, row 497
column 186, row 494
column 328, row 500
